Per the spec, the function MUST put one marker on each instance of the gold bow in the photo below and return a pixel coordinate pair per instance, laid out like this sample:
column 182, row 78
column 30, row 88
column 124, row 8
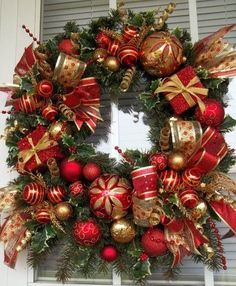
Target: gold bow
column 43, row 143
column 174, row 86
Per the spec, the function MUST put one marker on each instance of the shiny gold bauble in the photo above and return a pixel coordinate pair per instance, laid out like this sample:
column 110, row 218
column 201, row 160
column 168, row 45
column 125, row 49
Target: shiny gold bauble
column 63, row 211
column 112, row 63
column 122, row 230
column 99, row 55
column 161, row 54
column 177, row 160
column 199, row 211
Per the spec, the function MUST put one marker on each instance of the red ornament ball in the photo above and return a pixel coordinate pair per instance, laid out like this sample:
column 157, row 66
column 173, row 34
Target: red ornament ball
column 189, row 198
column 159, row 160
column 191, row 177
column 87, row 233
column 213, row 114
column 129, row 32
column 127, row 55
column 70, row 170
column 28, row 103
column 77, row 189
column 102, row 40
column 113, row 47
column 68, row 47
column 49, row 112
column 110, row 196
column 33, row 193
column 153, row 242
column 45, row 88
column 42, row 216
column 109, row 253
column 56, row 194
column 170, row 180
column 91, row 171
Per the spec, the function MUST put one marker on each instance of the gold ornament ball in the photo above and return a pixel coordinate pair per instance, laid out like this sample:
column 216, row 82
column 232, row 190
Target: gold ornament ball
column 122, row 230
column 177, row 160
column 209, row 250
column 161, row 54
column 112, row 63
column 63, row 211
column 199, row 211
column 99, row 55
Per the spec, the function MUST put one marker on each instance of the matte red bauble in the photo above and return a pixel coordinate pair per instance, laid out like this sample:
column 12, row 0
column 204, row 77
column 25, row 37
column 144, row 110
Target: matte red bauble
column 91, row 171
column 102, row 40
column 87, row 233
column 109, row 253
column 70, row 170
column 45, row 88
column 77, row 189
column 153, row 242
column 33, row 193
column 159, row 160
column 42, row 216
column 170, row 180
column 161, row 54
column 56, row 194
column 110, row 196
column 68, row 47
column 213, row 115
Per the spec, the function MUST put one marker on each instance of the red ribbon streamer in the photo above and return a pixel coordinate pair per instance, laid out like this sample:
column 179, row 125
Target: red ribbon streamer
column 84, row 100
column 26, row 62
column 225, row 212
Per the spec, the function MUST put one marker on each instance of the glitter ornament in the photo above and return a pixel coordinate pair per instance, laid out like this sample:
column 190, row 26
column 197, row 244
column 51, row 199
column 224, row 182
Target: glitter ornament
column 112, row 63
column 189, row 198
column 42, row 216
column 103, row 40
column 63, row 211
column 153, row 242
column 177, row 160
column 127, row 55
column 159, row 160
column 87, row 233
column 213, row 114
column 49, row 112
column 161, row 54
column 123, row 231
column 91, row 171
column 77, row 189
column 191, row 177
column 170, row 180
column 33, row 193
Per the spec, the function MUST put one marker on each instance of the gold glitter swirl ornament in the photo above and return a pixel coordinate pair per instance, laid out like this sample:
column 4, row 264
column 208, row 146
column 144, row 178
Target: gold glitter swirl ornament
column 161, row 54
column 123, row 231
column 127, row 79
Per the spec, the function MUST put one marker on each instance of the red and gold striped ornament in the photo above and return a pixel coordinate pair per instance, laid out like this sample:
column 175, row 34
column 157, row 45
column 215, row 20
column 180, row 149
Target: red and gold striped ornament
column 113, row 47
column 191, row 177
column 103, row 40
column 56, row 194
column 28, row 103
column 43, row 216
column 110, row 196
column 87, row 233
column 128, row 55
column 129, row 32
column 45, row 88
column 170, row 180
column 189, row 198
column 33, row 193
column 49, row 112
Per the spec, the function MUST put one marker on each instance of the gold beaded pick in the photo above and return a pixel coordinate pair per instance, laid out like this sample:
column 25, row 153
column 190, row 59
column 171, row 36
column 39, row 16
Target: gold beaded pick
column 165, row 15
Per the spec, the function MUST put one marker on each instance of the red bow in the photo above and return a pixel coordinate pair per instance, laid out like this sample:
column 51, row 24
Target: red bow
column 84, row 100
column 26, row 62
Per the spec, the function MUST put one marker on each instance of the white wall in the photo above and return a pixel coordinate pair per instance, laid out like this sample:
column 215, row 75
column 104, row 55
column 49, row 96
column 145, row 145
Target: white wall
column 13, row 14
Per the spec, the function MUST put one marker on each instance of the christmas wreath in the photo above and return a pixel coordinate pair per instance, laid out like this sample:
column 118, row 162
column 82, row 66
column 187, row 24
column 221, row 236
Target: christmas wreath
column 151, row 208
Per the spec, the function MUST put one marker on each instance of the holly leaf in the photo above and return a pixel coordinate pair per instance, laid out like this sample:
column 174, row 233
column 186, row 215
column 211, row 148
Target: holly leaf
column 149, row 100
column 141, row 269
column 167, row 210
column 173, row 199
column 40, row 239
column 228, row 124
column 26, row 84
